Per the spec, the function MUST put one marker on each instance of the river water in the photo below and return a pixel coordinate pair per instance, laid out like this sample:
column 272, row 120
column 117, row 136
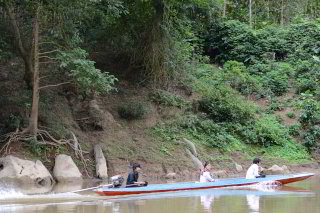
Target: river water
column 300, row 197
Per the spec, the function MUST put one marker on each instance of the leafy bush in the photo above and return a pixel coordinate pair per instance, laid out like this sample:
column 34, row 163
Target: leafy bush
column 133, row 110
column 275, row 105
column 294, row 129
column 310, row 114
column 308, row 76
column 291, row 115
column 232, row 40
column 223, row 105
column 273, row 40
column 236, row 74
column 270, row 132
column 304, row 38
column 312, row 138
column 166, row 98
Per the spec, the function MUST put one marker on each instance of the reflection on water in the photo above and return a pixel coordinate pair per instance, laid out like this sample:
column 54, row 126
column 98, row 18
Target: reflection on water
column 207, row 202
column 241, row 200
column 253, row 203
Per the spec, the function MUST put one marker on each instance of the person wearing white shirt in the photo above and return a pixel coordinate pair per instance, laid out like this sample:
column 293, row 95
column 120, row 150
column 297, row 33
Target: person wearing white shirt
column 253, row 171
column 205, row 173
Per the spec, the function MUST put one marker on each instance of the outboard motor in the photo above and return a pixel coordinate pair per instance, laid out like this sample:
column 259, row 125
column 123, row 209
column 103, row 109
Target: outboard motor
column 117, row 181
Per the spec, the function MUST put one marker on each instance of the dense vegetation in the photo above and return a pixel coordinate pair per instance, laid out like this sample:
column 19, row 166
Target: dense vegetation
column 231, row 53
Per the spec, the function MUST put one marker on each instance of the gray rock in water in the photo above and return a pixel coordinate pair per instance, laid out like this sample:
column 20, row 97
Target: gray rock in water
column 101, row 164
column 65, row 170
column 33, row 173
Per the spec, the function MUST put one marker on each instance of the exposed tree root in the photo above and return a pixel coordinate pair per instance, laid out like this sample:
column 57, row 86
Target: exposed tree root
column 45, row 138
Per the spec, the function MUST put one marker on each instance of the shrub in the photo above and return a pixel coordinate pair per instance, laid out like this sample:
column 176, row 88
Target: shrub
column 310, row 113
column 270, row 132
column 275, row 105
column 223, row 105
column 167, row 99
column 308, row 76
column 236, row 74
column 291, row 115
column 133, row 110
column 294, row 129
column 232, row 40
column 312, row 138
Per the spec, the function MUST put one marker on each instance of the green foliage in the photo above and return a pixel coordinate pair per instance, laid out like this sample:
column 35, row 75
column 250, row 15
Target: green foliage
column 236, row 74
column 308, row 76
column 37, row 148
column 275, row 105
column 270, row 132
column 223, row 105
column 310, row 114
column 166, row 98
column 291, row 115
column 133, row 110
column 88, row 78
column 294, row 129
column 312, row 138
column 290, row 151
column 232, row 40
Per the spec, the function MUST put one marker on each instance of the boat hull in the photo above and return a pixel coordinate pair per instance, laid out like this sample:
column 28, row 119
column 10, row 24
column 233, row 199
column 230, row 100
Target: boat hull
column 158, row 188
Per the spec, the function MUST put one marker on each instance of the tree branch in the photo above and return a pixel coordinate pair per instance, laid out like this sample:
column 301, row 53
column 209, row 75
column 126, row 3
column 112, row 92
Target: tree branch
column 54, row 85
column 44, row 53
column 48, row 62
column 47, row 57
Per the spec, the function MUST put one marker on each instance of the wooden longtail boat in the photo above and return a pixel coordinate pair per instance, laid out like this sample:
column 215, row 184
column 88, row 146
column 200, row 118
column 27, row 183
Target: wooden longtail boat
column 233, row 182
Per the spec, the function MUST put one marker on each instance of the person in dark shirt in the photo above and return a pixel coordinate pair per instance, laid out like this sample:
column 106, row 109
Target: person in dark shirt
column 132, row 180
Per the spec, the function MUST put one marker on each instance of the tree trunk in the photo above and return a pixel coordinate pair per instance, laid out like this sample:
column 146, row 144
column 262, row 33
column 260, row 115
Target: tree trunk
column 250, row 13
column 282, row 10
column 25, row 54
column 224, row 8
column 33, row 122
column 268, row 10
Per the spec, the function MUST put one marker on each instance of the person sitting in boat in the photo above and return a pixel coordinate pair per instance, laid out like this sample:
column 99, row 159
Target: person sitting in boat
column 205, row 173
column 132, row 180
column 253, row 171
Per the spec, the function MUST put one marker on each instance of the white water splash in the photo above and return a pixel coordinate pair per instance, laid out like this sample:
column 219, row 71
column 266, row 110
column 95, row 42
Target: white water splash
column 9, row 193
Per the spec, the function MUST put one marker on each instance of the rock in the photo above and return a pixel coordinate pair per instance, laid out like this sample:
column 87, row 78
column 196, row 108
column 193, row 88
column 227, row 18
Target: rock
column 171, row 175
column 219, row 173
column 238, row 167
column 101, row 164
column 276, row 170
column 33, row 173
column 65, row 170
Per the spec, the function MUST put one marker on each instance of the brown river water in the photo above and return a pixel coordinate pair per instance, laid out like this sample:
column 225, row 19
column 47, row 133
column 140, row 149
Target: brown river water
column 300, row 197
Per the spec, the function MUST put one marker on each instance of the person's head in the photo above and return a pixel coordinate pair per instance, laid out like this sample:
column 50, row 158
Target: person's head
column 136, row 167
column 256, row 161
column 207, row 166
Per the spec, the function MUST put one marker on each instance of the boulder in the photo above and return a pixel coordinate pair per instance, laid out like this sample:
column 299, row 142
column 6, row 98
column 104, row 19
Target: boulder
column 101, row 164
column 33, row 173
column 238, row 167
column 276, row 170
column 171, row 175
column 65, row 170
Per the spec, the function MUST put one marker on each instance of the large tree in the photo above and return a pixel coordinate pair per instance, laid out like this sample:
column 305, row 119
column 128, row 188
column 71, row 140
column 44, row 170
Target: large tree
column 53, row 45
